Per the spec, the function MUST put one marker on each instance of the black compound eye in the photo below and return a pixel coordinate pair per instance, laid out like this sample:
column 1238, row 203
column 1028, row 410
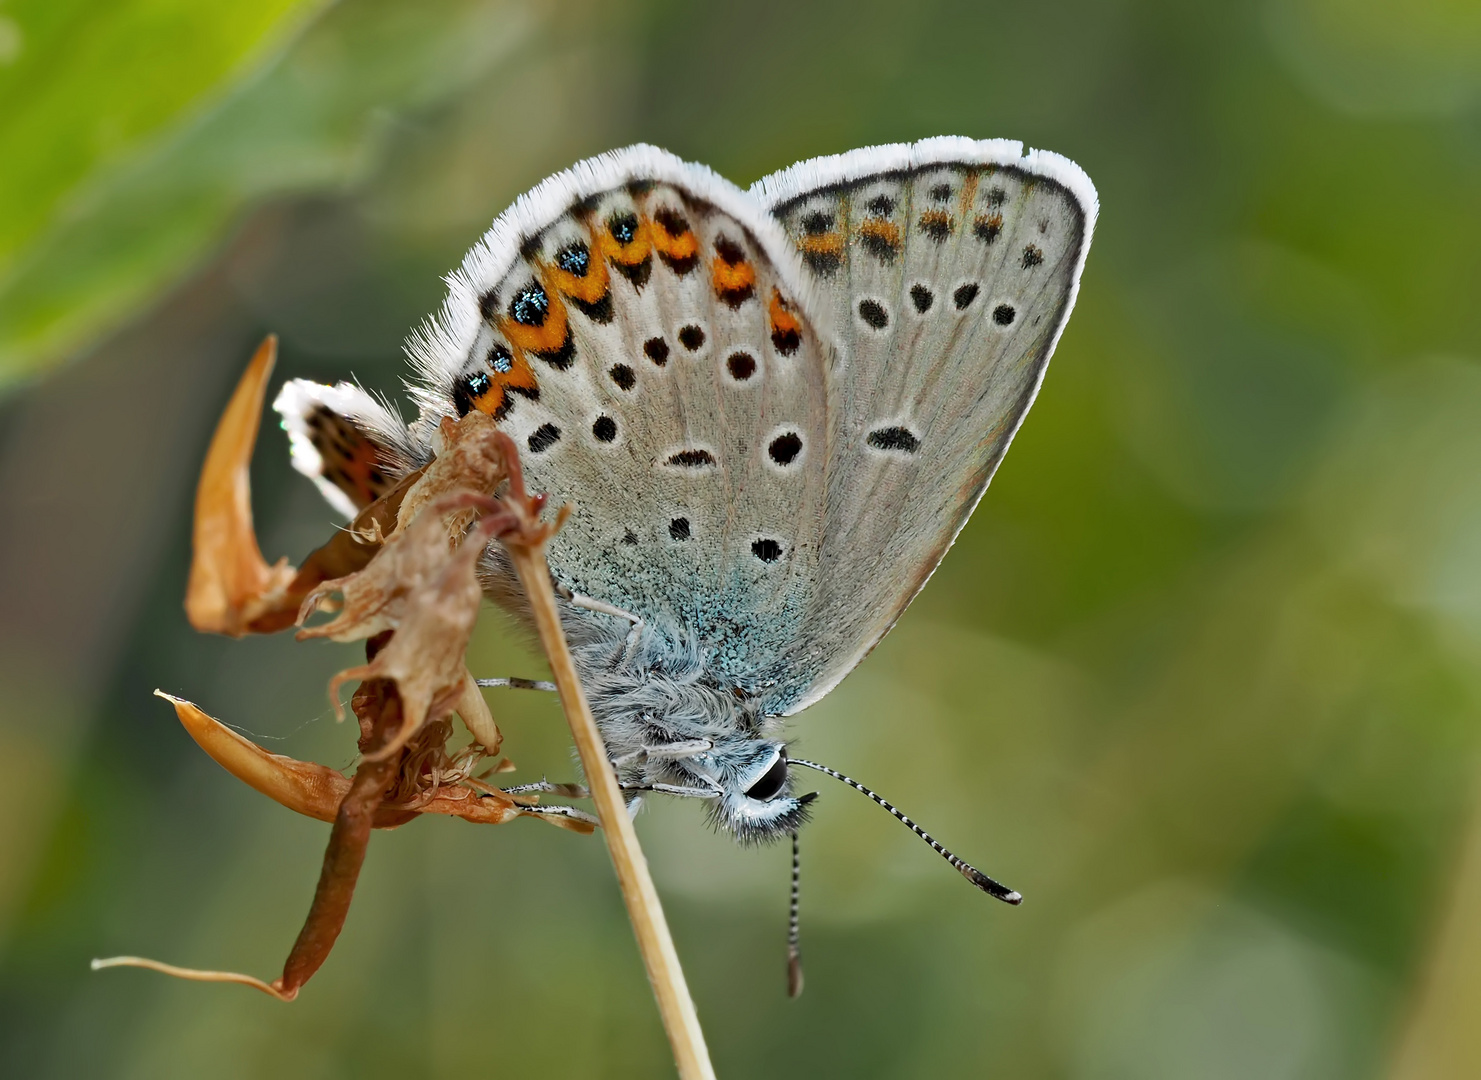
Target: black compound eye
column 772, row 781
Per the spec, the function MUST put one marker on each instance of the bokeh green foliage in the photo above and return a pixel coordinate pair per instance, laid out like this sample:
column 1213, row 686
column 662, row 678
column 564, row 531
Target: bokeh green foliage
column 1200, row 678
column 86, row 91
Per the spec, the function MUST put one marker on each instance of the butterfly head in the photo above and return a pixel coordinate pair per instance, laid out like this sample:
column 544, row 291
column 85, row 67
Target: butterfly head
column 755, row 802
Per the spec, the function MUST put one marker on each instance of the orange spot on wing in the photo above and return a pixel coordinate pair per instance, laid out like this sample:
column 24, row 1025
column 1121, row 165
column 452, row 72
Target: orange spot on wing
column 733, row 278
column 588, row 289
column 881, row 231
column 679, row 247
column 549, row 336
column 781, row 314
column 823, row 244
column 631, row 253
column 936, row 223
column 520, row 377
column 786, row 328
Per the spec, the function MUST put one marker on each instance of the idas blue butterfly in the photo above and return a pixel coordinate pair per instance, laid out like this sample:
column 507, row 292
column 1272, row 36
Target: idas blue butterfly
column 772, row 410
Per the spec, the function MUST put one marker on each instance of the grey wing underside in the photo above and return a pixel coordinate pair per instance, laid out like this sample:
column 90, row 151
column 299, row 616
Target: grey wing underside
column 669, row 383
column 950, row 267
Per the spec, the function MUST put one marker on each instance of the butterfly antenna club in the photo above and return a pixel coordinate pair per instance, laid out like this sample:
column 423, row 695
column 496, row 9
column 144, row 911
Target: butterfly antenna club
column 995, row 889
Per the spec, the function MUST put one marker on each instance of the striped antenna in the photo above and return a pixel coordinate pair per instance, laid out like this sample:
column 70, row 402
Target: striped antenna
column 967, row 870
column 794, row 926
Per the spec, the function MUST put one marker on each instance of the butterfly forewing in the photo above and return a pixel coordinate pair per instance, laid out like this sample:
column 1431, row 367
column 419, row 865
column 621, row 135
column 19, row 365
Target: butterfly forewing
column 643, row 332
column 950, row 268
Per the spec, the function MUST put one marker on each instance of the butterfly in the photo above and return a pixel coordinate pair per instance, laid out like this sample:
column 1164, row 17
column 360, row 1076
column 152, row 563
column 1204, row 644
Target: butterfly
column 773, row 411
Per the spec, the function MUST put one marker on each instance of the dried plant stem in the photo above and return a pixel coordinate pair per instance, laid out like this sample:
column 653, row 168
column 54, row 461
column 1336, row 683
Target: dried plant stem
column 643, row 908
column 193, row 974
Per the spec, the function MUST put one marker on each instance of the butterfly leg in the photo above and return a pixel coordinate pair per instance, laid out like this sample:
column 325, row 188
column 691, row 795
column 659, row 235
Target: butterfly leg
column 518, row 684
column 545, row 787
column 675, row 750
column 576, row 791
column 601, row 607
column 562, row 811
column 663, row 752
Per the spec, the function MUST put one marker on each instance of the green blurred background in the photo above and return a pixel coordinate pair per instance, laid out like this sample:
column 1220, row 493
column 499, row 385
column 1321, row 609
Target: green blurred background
column 1201, row 678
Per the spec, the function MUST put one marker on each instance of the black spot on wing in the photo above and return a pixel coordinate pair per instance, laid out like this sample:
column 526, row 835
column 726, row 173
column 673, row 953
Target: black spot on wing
column 691, row 337
column 679, row 528
column 543, row 438
column 574, row 259
column 817, row 222
column 623, row 376
column 785, row 448
column 657, row 350
column 766, row 549
column 470, row 386
column 530, row 305
column 894, row 438
column 873, row 313
column 879, row 243
column 964, row 295
column 623, row 227
column 673, row 222
column 691, row 459
column 880, row 206
column 729, row 251
column 560, row 357
column 1003, row 314
column 638, row 273
column 936, row 224
column 824, row 261
column 742, row 365
column 599, row 310
column 1032, row 257
column 604, row 429
column 922, row 298
column 988, row 227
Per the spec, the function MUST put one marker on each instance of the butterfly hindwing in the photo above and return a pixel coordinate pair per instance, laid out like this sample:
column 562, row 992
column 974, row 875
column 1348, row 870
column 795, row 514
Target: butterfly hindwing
column 351, row 444
column 950, row 267
column 646, row 334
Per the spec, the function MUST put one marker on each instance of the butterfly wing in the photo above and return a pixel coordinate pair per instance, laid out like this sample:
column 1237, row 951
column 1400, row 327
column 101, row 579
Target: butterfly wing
column 351, row 444
column 950, row 267
column 642, row 328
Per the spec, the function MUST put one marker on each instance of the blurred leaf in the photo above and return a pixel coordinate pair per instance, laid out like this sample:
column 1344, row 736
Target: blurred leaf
column 135, row 221
column 84, row 89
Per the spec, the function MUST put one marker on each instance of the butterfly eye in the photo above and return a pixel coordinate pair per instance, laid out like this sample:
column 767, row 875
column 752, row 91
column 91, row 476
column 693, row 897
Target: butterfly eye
column 772, row 781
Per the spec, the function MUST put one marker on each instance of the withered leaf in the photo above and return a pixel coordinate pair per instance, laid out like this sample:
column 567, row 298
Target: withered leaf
column 230, row 581
column 425, row 656
column 316, row 790
column 472, row 455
